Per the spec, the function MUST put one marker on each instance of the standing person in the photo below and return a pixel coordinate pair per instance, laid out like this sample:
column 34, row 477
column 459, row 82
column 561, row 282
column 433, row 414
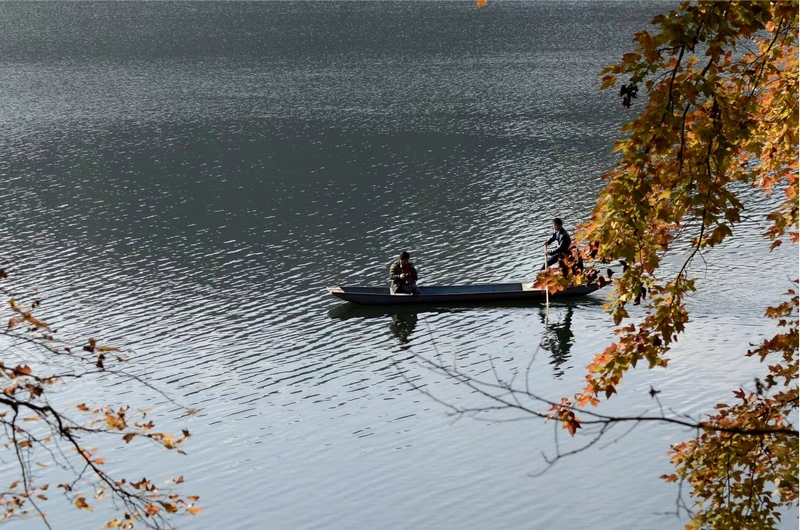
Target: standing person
column 403, row 276
column 562, row 237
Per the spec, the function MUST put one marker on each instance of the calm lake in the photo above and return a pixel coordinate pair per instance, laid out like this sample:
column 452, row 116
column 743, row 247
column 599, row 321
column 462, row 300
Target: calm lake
column 185, row 179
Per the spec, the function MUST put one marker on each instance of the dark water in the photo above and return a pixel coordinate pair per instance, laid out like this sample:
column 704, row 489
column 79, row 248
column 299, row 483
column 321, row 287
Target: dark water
column 188, row 177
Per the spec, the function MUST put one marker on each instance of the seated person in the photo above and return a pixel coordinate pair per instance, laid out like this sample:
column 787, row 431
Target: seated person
column 403, row 276
column 562, row 237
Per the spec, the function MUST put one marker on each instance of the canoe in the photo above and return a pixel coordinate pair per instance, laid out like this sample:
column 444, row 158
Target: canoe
column 359, row 311
column 453, row 294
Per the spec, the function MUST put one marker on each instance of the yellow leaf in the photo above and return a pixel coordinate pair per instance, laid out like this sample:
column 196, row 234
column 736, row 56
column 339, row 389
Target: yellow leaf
column 608, row 81
column 41, row 464
column 80, row 502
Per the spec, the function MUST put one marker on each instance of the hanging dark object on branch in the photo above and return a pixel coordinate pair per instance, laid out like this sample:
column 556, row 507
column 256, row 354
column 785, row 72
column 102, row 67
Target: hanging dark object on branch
column 627, row 92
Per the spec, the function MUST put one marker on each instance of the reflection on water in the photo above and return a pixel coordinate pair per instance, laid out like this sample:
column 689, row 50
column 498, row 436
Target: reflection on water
column 557, row 337
column 402, row 320
column 188, row 185
column 403, row 325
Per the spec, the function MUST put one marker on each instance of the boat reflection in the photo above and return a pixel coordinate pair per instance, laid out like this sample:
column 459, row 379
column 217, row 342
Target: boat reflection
column 557, row 337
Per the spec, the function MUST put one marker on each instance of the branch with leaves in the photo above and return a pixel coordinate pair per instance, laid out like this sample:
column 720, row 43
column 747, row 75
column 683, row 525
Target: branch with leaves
column 697, row 461
column 721, row 80
column 720, row 89
column 39, row 435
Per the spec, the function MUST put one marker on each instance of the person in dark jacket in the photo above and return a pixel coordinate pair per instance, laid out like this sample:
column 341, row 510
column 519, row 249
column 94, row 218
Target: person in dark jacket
column 403, row 276
column 561, row 237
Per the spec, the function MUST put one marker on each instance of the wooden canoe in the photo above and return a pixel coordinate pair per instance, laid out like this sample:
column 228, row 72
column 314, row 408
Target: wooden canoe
column 453, row 294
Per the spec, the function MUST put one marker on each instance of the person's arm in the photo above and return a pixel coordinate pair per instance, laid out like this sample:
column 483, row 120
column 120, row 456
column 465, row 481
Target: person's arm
column 394, row 272
column 414, row 275
column 565, row 243
column 553, row 238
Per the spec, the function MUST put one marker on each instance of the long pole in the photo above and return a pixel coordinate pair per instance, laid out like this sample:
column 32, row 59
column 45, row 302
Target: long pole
column 546, row 290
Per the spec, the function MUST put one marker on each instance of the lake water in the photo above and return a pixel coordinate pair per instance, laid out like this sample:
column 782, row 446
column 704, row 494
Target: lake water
column 184, row 179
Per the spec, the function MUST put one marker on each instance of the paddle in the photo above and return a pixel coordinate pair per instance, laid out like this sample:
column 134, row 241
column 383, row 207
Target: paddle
column 546, row 290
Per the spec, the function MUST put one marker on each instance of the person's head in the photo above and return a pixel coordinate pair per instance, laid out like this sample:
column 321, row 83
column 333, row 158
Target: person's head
column 558, row 224
column 404, row 256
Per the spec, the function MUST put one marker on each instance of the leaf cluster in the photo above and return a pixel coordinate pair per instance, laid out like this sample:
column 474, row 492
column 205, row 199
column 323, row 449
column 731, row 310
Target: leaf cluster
column 721, row 113
column 38, row 436
column 577, row 267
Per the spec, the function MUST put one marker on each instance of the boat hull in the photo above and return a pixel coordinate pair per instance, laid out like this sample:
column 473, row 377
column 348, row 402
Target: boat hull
column 454, row 294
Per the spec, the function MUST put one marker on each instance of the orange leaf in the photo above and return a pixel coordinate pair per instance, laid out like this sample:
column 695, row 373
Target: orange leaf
column 170, row 507
column 23, row 369
column 80, row 502
column 572, row 427
column 480, row 3
column 194, row 510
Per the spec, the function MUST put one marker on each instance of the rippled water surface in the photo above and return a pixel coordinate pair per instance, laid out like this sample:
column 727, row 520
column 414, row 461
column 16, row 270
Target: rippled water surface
column 188, row 177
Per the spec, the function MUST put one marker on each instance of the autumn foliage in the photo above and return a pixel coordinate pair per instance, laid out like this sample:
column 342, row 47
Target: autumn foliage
column 718, row 87
column 38, row 435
